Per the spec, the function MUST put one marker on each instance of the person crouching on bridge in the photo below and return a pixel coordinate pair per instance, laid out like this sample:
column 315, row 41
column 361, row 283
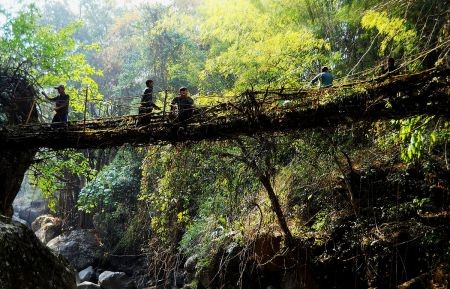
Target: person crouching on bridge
column 61, row 106
column 147, row 104
column 390, row 68
column 325, row 78
column 182, row 109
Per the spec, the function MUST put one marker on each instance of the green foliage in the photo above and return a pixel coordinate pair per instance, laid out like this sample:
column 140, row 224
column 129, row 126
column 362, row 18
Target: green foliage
column 251, row 50
column 50, row 173
column 135, row 233
column 433, row 238
column 169, row 202
column 203, row 238
column 116, row 183
column 418, row 135
column 182, row 61
column 112, row 198
column 406, row 209
column 193, row 181
column 48, row 55
column 321, row 221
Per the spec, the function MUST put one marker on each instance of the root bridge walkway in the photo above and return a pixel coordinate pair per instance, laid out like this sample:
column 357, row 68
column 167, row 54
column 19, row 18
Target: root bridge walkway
column 393, row 97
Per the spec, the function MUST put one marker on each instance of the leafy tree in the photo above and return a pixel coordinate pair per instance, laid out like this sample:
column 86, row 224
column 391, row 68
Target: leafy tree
column 54, row 172
column 393, row 30
column 417, row 137
column 120, row 57
column 172, row 52
column 48, row 55
column 254, row 51
column 192, row 185
column 112, row 195
column 56, row 14
column 117, row 182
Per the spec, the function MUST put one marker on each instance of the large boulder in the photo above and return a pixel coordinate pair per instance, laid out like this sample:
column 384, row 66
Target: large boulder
column 190, row 267
column 191, row 263
column 29, row 212
column 26, row 263
column 115, row 280
column 80, row 247
column 87, row 274
column 88, row 285
column 46, row 227
column 42, row 220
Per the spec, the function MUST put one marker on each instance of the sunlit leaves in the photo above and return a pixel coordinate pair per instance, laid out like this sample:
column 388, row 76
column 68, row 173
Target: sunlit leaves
column 233, row 21
column 417, row 135
column 50, row 56
column 179, row 183
column 246, row 47
column 393, row 29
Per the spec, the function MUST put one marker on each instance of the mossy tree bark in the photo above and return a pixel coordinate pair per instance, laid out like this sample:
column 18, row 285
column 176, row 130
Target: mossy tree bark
column 17, row 107
column 13, row 165
column 265, row 180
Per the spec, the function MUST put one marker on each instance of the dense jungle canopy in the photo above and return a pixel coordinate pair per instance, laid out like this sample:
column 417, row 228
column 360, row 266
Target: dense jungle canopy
column 334, row 202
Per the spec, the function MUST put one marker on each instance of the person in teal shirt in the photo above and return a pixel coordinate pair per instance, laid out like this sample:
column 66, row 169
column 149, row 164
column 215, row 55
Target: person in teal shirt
column 325, row 78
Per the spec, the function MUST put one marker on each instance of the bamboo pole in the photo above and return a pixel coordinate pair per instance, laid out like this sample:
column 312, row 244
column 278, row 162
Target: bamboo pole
column 31, row 110
column 165, row 103
column 85, row 108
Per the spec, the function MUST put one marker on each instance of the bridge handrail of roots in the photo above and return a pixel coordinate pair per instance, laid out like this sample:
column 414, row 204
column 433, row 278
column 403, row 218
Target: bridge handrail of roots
column 253, row 111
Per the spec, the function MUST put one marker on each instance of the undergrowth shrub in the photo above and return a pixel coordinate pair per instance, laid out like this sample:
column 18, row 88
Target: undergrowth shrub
column 112, row 196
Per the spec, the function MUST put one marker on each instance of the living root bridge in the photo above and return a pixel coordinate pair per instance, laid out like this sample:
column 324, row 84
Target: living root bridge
column 393, row 97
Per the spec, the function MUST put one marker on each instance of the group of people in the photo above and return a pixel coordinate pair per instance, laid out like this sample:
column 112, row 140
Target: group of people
column 182, row 106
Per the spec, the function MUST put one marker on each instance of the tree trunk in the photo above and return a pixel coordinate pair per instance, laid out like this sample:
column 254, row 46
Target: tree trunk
column 13, row 165
column 265, row 180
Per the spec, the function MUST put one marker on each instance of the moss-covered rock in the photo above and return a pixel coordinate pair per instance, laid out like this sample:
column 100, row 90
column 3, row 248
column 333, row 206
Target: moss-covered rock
column 81, row 247
column 47, row 227
column 27, row 264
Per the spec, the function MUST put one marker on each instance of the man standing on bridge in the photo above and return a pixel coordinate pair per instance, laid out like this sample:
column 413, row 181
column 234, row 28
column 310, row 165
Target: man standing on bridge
column 61, row 105
column 391, row 67
column 147, row 103
column 325, row 78
column 182, row 108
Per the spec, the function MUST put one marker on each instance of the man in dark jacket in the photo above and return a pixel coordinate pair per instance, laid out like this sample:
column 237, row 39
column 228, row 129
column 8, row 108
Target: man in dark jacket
column 147, row 103
column 391, row 67
column 182, row 109
column 61, row 105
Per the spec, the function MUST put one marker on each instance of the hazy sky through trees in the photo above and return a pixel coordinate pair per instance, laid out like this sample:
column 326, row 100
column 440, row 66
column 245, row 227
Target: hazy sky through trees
column 13, row 6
